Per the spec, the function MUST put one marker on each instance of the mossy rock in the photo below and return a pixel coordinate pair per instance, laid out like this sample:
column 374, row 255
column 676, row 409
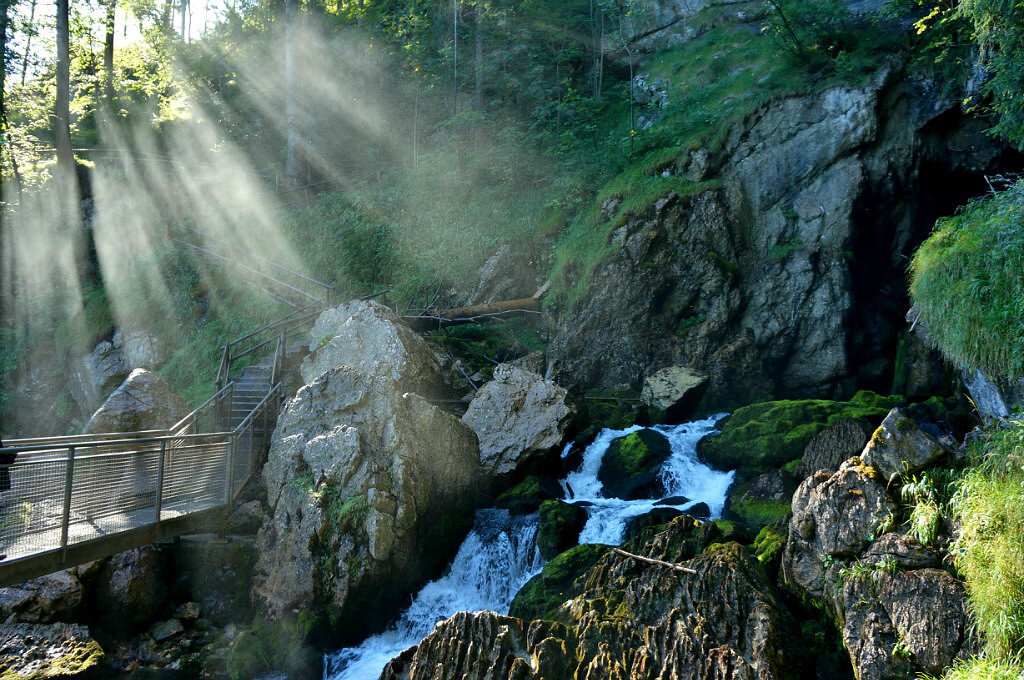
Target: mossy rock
column 560, row 527
column 756, row 514
column 542, row 595
column 768, row 435
column 657, row 518
column 769, row 544
column 630, row 466
column 274, row 646
column 731, row 531
column 526, row 497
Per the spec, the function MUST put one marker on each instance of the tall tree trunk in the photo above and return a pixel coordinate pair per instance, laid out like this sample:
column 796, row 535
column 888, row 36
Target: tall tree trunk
column 62, row 113
column 29, row 30
column 108, row 56
column 291, row 163
column 455, row 57
column 478, row 86
column 184, row 16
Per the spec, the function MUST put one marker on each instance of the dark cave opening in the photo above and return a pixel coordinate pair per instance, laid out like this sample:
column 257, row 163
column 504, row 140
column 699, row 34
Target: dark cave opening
column 892, row 218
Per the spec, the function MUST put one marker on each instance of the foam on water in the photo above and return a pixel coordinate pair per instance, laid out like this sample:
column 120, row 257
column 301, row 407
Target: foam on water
column 497, row 558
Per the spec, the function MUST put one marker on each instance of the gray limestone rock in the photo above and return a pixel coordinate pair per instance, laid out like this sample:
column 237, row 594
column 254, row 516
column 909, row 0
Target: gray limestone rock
column 517, row 417
column 900, row 447
column 142, row 402
column 369, row 338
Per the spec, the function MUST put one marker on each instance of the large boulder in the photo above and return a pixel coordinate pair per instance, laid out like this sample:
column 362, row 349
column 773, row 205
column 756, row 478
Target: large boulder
column 835, row 516
column 131, row 589
column 54, row 597
column 59, row 650
column 371, row 491
column 630, row 466
column 517, row 417
column 369, row 338
column 559, row 528
column 900, row 447
column 139, row 349
column 96, row 375
column 675, row 390
column 142, row 402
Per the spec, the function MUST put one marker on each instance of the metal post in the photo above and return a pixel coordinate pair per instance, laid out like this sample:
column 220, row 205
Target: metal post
column 160, row 480
column 229, row 493
column 69, row 476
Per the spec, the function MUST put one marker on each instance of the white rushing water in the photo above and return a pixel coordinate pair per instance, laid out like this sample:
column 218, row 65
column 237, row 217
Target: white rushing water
column 499, row 556
column 497, row 559
column 682, row 474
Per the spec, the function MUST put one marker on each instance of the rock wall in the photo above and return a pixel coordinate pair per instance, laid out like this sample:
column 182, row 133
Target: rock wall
column 789, row 278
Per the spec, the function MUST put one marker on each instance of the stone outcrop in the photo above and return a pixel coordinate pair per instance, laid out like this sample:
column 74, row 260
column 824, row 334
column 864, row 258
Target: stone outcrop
column 836, row 443
column 676, row 390
column 630, row 467
column 142, row 402
column 626, row 619
column 54, row 597
column 59, row 650
column 369, row 338
column 900, row 447
column 371, row 490
column 97, row 374
column 899, row 615
column 758, row 284
column 131, row 589
column 517, row 417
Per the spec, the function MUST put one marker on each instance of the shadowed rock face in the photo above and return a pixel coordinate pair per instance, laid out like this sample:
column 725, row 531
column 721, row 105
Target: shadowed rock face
column 371, row 490
column 626, row 619
column 142, row 402
column 756, row 283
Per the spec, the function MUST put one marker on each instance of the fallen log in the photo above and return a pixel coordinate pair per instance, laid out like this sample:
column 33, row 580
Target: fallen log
column 660, row 563
column 471, row 314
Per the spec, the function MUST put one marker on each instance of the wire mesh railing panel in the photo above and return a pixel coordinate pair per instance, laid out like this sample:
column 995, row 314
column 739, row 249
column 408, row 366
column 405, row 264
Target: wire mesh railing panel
column 195, row 476
column 113, row 491
column 31, row 504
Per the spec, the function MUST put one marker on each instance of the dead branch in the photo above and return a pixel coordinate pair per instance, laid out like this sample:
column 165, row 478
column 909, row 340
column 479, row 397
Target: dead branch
column 660, row 563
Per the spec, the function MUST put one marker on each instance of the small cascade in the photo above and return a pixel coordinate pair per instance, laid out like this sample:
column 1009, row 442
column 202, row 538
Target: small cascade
column 497, row 558
column 500, row 555
column 682, row 474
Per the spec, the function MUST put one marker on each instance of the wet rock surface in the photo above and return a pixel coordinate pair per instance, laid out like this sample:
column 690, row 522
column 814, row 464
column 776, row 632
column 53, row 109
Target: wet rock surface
column 629, row 469
column 900, row 447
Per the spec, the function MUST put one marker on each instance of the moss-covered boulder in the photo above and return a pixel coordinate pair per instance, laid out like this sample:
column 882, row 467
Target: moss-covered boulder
column 39, row 652
column 560, row 527
column 770, row 434
column 542, row 595
column 761, row 501
column 630, row 466
column 658, row 517
column 769, row 544
column 526, row 496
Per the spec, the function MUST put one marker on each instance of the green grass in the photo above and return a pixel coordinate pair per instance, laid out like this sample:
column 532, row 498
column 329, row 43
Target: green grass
column 968, row 282
column 989, row 551
column 979, row 668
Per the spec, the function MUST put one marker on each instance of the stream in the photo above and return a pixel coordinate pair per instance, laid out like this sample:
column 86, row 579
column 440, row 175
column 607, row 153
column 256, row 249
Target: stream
column 500, row 555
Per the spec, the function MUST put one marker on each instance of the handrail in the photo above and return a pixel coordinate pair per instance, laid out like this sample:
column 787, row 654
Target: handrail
column 327, row 288
column 196, row 411
column 115, row 442
column 249, row 418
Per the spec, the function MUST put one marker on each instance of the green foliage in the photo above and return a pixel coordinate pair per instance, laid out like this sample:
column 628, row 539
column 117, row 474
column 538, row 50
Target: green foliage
column 985, row 668
column 926, row 495
column 482, row 346
column 868, row 571
column 968, row 281
column 784, row 250
column 999, row 31
column 989, row 550
column 273, row 646
column 807, row 28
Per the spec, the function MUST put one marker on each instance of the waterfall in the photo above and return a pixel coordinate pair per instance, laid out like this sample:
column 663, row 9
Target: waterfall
column 500, row 555
column 497, row 558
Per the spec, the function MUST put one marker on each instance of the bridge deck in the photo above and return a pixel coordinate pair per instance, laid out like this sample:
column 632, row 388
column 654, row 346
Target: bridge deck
column 68, row 500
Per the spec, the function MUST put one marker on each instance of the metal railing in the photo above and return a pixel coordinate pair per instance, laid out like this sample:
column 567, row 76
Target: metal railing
column 68, row 500
column 276, row 334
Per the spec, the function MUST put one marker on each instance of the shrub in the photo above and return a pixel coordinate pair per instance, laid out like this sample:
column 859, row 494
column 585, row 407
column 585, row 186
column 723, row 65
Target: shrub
column 968, row 281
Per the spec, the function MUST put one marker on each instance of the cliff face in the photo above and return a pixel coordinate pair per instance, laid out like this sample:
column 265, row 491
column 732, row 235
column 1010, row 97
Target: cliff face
column 789, row 277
